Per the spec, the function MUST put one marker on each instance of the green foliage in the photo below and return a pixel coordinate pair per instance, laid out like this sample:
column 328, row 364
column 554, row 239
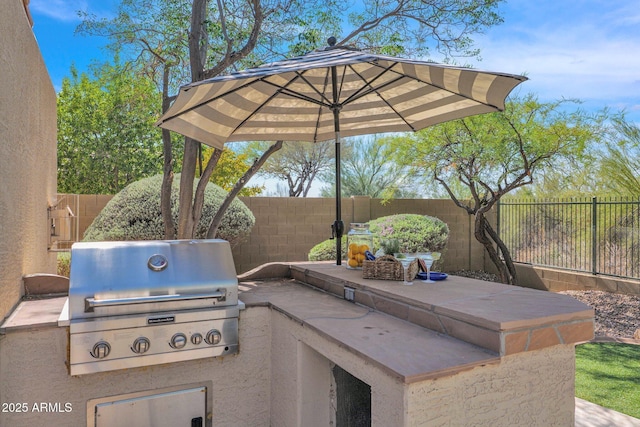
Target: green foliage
column 63, row 263
column 106, row 133
column 495, row 154
column 367, row 171
column 230, row 168
column 620, row 165
column 134, row 214
column 326, row 250
column 608, row 374
column 414, row 233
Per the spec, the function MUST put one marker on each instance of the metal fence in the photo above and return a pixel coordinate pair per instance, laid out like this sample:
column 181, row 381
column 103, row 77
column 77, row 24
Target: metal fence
column 600, row 236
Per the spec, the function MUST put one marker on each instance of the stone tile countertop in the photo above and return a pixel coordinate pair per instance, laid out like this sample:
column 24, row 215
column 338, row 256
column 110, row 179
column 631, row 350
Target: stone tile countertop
column 501, row 318
column 404, row 350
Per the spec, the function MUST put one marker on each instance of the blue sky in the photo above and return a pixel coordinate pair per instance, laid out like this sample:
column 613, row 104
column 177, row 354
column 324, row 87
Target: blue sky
column 584, row 49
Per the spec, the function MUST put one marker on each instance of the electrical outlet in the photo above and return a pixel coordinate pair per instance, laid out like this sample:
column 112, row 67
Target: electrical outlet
column 349, row 294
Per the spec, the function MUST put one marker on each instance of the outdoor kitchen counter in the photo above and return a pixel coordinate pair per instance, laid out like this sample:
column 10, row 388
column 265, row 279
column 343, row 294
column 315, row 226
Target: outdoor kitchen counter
column 32, row 314
column 466, row 322
column 404, row 350
column 501, row 318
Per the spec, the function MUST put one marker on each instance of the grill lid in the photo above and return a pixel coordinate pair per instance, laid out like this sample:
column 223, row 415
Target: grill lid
column 112, row 278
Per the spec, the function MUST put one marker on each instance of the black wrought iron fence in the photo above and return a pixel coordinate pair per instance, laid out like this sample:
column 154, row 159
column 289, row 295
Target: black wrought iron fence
column 601, row 236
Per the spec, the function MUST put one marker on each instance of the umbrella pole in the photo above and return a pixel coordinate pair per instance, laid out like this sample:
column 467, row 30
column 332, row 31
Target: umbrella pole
column 338, row 225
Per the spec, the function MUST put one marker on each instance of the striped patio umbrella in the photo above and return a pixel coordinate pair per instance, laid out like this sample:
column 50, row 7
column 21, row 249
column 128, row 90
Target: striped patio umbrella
column 329, row 94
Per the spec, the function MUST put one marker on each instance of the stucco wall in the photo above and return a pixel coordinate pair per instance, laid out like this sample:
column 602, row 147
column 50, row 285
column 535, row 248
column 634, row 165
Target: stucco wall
column 528, row 389
column 290, row 344
column 533, row 389
column 241, row 392
column 27, row 155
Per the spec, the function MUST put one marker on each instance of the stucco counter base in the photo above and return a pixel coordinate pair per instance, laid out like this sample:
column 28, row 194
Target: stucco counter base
column 404, row 350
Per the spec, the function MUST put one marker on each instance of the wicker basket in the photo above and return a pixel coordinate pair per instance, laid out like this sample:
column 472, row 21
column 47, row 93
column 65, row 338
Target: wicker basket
column 387, row 267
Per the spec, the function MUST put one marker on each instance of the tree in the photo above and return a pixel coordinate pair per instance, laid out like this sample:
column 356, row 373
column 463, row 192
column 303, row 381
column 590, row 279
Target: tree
column 229, row 34
column 367, row 171
column 132, row 214
column 229, row 170
column 106, row 137
column 298, row 164
column 620, row 164
column 494, row 154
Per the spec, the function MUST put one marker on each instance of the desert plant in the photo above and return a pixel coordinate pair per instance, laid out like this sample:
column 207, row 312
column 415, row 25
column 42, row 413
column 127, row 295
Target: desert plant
column 134, row 214
column 414, row 233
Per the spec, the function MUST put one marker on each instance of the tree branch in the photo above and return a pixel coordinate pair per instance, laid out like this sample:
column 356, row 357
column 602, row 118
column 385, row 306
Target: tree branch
column 217, row 219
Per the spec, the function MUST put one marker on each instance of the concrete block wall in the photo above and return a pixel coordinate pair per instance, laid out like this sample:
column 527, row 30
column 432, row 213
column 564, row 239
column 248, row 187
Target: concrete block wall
column 562, row 280
column 288, row 227
column 89, row 207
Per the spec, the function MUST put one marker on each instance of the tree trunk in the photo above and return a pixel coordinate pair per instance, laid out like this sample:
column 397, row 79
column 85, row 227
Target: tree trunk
column 185, row 217
column 506, row 255
column 167, row 183
column 197, row 52
column 217, row 219
column 198, row 200
column 167, row 170
column 480, row 233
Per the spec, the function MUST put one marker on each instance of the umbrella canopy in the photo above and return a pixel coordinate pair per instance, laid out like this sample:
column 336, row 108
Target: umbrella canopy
column 331, row 93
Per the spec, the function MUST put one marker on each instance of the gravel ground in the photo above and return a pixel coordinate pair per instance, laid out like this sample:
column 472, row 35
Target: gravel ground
column 617, row 315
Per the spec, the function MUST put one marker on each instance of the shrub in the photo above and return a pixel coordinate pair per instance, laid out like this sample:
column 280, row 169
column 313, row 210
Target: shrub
column 63, row 263
column 326, row 250
column 415, row 233
column 134, row 214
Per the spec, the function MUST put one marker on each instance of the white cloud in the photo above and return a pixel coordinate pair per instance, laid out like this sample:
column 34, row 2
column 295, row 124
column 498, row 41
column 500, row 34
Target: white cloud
column 587, row 52
column 61, row 10
column 67, row 10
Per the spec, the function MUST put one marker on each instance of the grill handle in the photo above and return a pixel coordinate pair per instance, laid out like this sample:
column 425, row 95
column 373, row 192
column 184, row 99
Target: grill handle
column 91, row 303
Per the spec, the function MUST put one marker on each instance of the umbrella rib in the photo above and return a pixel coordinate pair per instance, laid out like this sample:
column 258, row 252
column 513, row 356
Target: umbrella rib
column 324, row 89
column 321, row 94
column 369, row 84
column 282, row 90
column 400, row 76
column 201, row 103
column 375, row 90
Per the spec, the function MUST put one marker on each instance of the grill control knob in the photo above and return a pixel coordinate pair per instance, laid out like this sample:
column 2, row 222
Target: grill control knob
column 100, row 350
column 178, row 341
column 141, row 345
column 196, row 339
column 213, row 337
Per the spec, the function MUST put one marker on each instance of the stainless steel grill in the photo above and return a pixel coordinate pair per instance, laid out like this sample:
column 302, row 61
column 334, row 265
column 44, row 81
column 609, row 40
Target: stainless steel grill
column 143, row 303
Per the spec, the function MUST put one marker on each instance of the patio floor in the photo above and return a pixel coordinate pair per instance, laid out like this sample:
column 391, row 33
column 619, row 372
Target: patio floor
column 591, row 415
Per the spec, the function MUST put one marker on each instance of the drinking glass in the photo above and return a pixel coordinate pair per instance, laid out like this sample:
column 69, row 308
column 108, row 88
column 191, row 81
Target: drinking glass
column 406, row 260
column 427, row 257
